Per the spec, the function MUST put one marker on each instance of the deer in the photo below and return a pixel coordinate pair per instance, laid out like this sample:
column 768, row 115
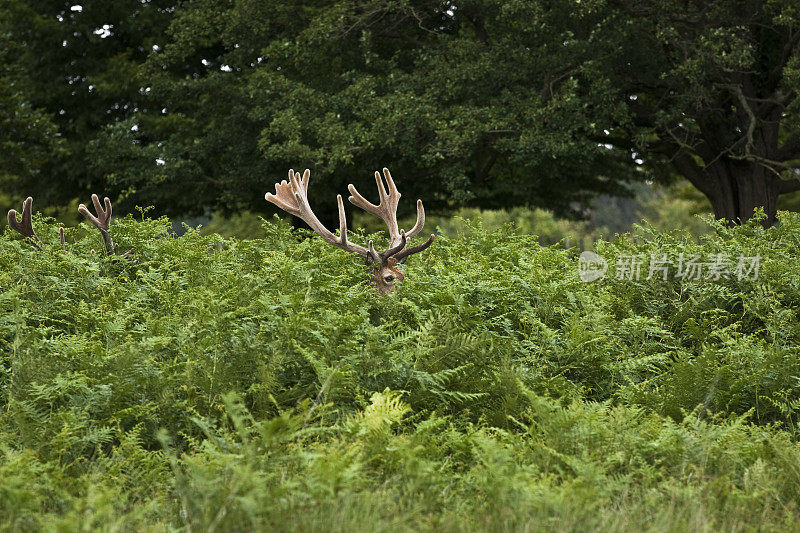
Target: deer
column 292, row 197
column 101, row 221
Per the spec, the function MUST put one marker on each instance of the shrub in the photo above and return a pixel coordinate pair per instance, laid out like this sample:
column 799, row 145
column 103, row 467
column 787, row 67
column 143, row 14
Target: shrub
column 205, row 383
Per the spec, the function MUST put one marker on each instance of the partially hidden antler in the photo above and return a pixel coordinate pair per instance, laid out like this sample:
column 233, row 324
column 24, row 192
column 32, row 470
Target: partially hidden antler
column 25, row 227
column 386, row 210
column 292, row 197
column 102, row 221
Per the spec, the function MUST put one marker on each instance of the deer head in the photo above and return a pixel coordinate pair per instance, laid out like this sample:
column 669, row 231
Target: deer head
column 292, row 197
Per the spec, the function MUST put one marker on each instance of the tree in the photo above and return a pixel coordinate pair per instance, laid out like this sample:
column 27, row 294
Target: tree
column 247, row 89
column 485, row 103
column 711, row 88
column 27, row 134
column 80, row 66
column 481, row 102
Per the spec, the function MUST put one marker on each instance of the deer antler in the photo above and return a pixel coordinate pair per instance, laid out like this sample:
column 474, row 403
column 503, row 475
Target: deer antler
column 403, row 254
column 26, row 226
column 102, row 221
column 292, row 197
column 386, row 209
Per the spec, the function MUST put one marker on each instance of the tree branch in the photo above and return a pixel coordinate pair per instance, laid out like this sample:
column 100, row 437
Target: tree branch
column 553, row 79
column 687, row 166
column 751, row 125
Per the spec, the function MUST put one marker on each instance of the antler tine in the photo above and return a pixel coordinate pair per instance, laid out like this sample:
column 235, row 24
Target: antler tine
column 342, row 219
column 386, row 209
column 359, row 201
column 102, row 221
column 26, row 226
column 103, row 215
column 292, row 197
column 392, row 192
column 374, row 256
column 402, row 255
column 420, row 221
column 395, row 249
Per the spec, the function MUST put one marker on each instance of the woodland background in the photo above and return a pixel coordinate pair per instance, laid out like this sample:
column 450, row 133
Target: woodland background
column 200, row 107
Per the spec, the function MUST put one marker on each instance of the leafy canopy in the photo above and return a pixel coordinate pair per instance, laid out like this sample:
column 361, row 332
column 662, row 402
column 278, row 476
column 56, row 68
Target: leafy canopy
column 482, row 103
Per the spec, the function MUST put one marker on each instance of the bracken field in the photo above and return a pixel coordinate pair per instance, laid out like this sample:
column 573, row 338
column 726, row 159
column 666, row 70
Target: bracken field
column 209, row 384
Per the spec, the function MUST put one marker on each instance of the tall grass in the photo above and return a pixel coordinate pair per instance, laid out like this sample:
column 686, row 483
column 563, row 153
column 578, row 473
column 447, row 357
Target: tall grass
column 206, row 384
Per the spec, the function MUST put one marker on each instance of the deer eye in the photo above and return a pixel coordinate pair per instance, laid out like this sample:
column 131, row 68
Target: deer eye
column 389, row 278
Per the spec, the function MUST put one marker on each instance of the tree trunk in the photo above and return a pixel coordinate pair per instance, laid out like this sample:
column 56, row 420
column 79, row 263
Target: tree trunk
column 736, row 188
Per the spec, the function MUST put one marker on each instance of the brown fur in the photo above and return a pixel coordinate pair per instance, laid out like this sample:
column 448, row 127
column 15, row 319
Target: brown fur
column 386, row 275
